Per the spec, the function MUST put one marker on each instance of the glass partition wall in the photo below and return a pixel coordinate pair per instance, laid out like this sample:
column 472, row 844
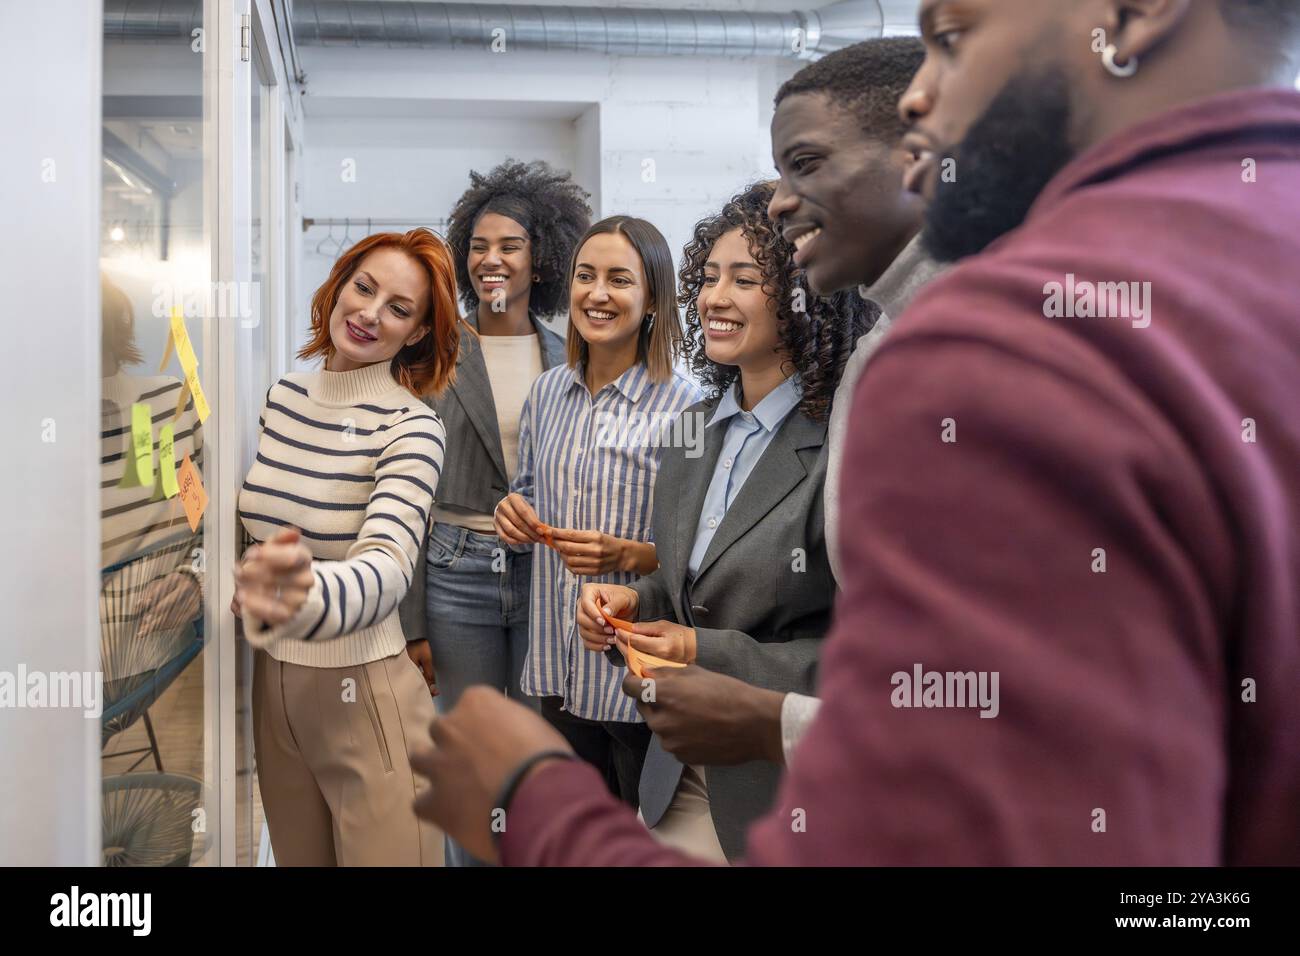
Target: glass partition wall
column 193, row 172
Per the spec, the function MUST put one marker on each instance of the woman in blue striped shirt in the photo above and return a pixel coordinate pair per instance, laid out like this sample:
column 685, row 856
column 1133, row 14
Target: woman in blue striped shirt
column 589, row 450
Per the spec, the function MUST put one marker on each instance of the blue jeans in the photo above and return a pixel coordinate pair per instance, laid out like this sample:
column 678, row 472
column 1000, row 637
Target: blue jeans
column 477, row 602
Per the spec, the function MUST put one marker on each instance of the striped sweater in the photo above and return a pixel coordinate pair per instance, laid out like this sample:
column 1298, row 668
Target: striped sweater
column 352, row 460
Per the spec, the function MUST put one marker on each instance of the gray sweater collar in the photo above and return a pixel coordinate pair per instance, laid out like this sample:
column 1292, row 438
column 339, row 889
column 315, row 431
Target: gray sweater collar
column 904, row 278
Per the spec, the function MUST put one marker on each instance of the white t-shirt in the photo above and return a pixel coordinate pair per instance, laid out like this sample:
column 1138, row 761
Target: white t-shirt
column 513, row 363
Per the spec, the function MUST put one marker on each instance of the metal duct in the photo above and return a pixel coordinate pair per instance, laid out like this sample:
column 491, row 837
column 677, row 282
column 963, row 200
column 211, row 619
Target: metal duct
column 627, row 31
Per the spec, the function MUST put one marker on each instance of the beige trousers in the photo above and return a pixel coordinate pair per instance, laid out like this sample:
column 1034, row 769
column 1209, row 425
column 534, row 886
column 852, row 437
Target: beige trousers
column 333, row 749
column 687, row 824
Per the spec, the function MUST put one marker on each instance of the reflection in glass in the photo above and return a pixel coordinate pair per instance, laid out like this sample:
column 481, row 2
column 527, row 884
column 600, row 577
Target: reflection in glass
column 154, row 574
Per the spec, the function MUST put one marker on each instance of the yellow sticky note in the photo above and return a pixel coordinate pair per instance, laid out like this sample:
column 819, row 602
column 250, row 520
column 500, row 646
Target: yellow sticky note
column 166, row 486
column 180, row 401
column 184, row 350
column 200, row 400
column 167, row 350
column 139, row 457
column 192, row 495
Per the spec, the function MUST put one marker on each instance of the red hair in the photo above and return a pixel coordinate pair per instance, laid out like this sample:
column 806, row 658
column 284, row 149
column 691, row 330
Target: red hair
column 429, row 365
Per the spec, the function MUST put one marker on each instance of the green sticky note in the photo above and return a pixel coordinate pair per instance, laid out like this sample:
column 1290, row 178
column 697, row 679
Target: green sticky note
column 166, row 486
column 139, row 457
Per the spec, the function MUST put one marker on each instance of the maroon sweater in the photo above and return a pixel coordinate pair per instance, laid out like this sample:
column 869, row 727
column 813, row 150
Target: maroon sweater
column 1127, row 729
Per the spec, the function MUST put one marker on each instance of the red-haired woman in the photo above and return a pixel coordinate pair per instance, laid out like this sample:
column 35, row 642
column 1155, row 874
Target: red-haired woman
column 338, row 499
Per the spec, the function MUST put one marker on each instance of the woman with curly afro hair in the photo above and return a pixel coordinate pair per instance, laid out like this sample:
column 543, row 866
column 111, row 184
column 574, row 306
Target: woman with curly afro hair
column 512, row 234
column 744, row 586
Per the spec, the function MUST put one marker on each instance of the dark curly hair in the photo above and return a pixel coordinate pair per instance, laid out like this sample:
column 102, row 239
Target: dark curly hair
column 868, row 79
column 547, row 203
column 819, row 339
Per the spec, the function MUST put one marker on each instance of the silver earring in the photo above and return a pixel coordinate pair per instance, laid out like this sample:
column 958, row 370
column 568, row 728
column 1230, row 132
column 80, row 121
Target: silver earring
column 1114, row 69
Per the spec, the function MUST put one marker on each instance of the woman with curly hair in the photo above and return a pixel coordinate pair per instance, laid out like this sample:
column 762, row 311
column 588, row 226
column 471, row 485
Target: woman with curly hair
column 744, row 587
column 512, row 233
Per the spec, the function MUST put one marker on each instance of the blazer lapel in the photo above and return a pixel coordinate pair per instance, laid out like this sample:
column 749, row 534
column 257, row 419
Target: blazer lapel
column 552, row 344
column 696, row 474
column 776, row 474
column 474, row 392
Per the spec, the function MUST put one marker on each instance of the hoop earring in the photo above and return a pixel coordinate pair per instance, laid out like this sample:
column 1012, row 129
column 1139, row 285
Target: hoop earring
column 650, row 321
column 1114, row 69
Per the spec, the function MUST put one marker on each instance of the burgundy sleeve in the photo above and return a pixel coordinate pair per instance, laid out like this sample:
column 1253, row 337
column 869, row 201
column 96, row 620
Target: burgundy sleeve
column 1010, row 506
column 1053, row 539
column 563, row 815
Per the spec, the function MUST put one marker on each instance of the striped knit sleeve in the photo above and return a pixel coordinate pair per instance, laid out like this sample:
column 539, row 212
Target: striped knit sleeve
column 367, row 586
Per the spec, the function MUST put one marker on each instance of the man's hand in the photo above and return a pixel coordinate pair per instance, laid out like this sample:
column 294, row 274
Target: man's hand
column 422, row 656
column 667, row 640
column 475, row 747
column 703, row 717
column 516, row 521
column 617, row 600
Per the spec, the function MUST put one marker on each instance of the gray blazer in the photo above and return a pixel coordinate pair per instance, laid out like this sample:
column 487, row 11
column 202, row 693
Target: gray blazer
column 760, row 604
column 474, row 465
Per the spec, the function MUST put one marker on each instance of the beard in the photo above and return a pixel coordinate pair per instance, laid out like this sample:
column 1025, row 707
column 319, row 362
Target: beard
column 1010, row 153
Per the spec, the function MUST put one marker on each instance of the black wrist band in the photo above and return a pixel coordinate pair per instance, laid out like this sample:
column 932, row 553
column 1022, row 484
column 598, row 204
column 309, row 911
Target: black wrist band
column 516, row 778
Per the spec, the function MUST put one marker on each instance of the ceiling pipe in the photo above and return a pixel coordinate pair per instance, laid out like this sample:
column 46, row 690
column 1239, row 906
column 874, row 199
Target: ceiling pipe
column 624, row 31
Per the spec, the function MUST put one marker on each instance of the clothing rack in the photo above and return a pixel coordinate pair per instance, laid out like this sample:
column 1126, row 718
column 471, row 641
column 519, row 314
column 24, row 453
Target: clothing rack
column 332, row 246
column 308, row 223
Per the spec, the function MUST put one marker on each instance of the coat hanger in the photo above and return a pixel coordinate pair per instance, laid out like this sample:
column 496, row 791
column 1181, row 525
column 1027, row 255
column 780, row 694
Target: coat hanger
column 327, row 238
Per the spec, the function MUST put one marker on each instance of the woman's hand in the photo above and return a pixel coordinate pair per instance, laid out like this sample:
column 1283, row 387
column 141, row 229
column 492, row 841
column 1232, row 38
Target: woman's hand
column 421, row 656
column 274, row 579
column 168, row 602
column 665, row 639
column 589, row 552
column 617, row 600
column 516, row 521
column 594, row 552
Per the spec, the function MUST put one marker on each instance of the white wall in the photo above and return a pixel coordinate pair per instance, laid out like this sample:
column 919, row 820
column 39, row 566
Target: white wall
column 49, row 758
column 665, row 138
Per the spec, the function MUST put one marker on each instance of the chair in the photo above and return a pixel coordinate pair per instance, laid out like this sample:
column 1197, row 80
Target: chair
column 148, row 819
column 138, row 667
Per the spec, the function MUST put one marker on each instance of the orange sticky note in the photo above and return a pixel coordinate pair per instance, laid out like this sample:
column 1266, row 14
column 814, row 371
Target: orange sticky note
column 615, row 622
column 638, row 662
column 192, row 495
column 545, row 531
